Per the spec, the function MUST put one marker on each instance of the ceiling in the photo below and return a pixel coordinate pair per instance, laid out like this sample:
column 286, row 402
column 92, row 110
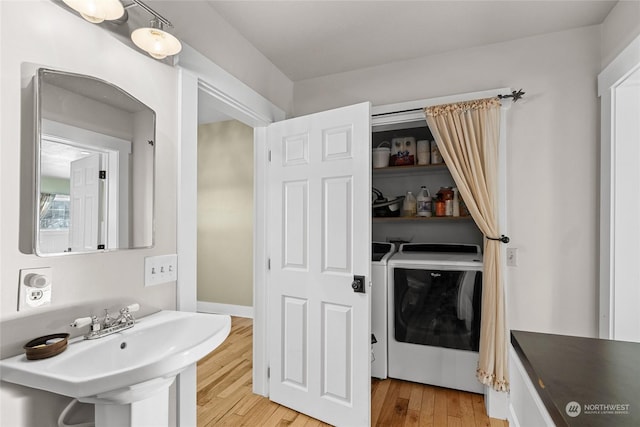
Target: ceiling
column 308, row 39
column 56, row 158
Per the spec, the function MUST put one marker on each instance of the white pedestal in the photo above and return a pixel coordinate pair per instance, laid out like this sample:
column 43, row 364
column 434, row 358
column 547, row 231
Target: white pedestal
column 134, row 407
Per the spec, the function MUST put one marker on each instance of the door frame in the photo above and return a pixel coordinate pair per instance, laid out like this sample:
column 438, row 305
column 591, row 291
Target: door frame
column 115, row 152
column 608, row 80
column 198, row 74
column 496, row 403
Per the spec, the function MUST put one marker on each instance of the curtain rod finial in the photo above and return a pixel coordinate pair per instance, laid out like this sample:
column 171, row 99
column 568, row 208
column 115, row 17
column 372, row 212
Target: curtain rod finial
column 519, row 94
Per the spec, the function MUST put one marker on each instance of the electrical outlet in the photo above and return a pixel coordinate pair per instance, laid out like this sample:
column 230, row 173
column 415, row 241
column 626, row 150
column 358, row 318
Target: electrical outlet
column 34, row 288
column 160, row 269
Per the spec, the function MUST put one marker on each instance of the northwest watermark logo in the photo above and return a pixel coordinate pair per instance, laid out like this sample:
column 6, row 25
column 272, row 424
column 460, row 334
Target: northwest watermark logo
column 573, row 409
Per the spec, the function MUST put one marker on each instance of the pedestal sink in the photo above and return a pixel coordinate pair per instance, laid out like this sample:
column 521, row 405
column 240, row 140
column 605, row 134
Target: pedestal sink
column 126, row 375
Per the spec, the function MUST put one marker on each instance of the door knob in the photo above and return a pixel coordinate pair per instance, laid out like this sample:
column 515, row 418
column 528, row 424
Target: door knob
column 358, row 284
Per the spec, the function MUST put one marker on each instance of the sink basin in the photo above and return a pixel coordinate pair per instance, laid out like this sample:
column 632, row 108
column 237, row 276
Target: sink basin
column 124, row 367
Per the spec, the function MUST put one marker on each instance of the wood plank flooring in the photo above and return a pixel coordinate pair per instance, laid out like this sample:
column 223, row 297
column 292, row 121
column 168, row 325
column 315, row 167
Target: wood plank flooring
column 225, row 397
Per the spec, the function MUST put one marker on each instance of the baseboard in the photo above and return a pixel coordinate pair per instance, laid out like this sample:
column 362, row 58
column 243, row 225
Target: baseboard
column 230, row 309
column 513, row 417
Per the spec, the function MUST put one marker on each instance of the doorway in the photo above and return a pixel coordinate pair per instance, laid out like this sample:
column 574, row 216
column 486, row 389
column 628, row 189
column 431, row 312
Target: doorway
column 87, row 212
column 336, row 141
column 225, row 215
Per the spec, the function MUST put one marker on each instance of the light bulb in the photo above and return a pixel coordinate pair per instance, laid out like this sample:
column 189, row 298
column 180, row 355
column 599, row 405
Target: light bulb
column 96, row 11
column 157, row 43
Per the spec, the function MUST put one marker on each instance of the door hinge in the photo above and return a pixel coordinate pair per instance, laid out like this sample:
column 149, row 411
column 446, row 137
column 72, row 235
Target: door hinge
column 268, row 263
column 269, row 156
column 268, row 371
column 102, row 174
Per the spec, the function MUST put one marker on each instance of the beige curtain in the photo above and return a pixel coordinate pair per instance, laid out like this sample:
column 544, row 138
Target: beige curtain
column 467, row 135
column 45, row 202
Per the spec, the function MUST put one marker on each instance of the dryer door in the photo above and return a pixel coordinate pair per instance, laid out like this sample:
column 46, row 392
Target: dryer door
column 437, row 307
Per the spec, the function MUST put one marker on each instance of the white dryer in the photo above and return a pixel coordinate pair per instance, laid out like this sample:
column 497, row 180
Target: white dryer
column 380, row 255
column 434, row 299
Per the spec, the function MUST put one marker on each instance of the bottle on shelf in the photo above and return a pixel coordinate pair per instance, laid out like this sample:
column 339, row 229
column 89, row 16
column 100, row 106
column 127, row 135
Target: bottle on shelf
column 456, row 202
column 440, row 207
column 446, row 195
column 424, row 202
column 436, row 157
column 423, row 152
column 409, row 206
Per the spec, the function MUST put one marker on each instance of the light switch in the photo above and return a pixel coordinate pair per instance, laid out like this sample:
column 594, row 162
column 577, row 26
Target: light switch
column 160, row 269
column 512, row 257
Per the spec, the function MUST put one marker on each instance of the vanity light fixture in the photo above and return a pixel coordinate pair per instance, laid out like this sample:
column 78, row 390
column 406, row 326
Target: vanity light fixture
column 97, row 11
column 155, row 41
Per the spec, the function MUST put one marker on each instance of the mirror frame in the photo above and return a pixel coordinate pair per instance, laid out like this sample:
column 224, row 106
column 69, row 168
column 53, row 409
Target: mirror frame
column 37, row 140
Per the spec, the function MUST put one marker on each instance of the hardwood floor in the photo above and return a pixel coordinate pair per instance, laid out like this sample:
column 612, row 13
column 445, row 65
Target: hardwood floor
column 225, row 397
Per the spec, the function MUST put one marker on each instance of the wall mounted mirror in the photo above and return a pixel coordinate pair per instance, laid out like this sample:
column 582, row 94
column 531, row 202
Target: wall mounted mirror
column 95, row 150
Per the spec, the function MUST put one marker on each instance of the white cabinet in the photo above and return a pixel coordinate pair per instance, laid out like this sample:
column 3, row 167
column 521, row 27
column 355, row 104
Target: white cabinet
column 525, row 406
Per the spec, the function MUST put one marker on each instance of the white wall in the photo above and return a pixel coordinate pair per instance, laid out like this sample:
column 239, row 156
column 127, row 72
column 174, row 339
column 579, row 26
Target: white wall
column 552, row 158
column 225, row 213
column 229, row 50
column 41, row 32
column 621, row 26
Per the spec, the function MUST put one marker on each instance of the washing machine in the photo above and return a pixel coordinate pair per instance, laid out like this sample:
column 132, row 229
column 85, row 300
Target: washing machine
column 433, row 318
column 380, row 254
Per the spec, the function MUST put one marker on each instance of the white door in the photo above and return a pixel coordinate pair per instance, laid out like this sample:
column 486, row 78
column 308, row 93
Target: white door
column 319, row 238
column 84, row 210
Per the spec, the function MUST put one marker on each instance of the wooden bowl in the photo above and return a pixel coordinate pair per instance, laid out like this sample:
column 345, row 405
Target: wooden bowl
column 46, row 346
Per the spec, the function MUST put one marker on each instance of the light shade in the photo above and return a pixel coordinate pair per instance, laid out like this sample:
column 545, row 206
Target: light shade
column 155, row 41
column 96, row 11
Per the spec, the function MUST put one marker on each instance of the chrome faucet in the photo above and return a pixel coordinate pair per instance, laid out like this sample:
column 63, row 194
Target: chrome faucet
column 108, row 325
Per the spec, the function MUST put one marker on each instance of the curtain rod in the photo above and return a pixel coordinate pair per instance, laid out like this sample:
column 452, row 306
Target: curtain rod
column 398, row 112
column 519, row 94
column 514, row 94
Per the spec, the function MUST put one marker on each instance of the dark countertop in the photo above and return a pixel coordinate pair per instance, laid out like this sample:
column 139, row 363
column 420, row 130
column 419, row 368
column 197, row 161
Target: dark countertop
column 601, row 376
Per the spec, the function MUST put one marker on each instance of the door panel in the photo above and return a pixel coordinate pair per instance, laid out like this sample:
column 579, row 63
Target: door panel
column 337, row 225
column 319, row 196
column 85, row 196
column 296, row 221
column 337, row 363
column 296, row 150
column 294, row 363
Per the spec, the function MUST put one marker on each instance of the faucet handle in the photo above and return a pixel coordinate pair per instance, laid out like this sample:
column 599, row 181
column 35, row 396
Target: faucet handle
column 125, row 313
column 80, row 322
column 107, row 317
column 95, row 324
